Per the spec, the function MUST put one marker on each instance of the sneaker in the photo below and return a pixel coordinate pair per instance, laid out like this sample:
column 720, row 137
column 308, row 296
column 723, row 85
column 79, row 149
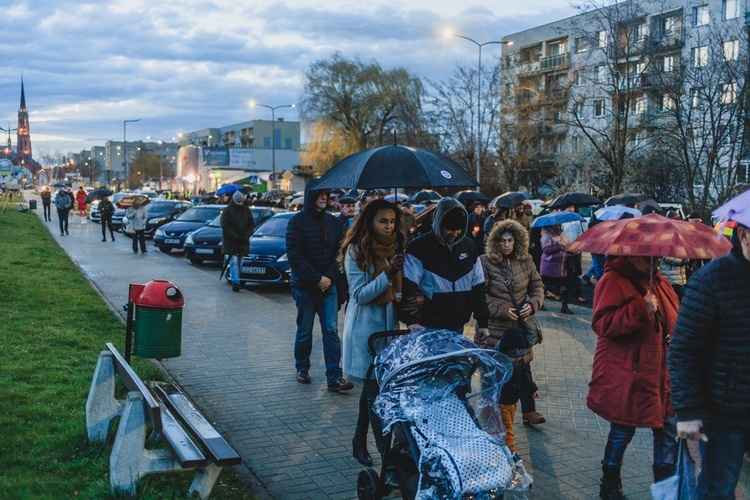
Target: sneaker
column 340, row 385
column 67, row 233
column 586, row 280
column 104, row 240
column 533, row 418
column 303, row 377
column 235, row 287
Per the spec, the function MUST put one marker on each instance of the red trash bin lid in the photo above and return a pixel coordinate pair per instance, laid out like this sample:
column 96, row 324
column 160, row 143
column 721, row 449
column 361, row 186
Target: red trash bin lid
column 157, row 293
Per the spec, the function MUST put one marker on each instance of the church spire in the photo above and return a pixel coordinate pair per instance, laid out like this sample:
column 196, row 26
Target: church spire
column 22, row 109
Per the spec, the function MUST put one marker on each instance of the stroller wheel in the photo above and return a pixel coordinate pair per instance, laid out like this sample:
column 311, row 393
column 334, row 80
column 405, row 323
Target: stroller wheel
column 368, row 485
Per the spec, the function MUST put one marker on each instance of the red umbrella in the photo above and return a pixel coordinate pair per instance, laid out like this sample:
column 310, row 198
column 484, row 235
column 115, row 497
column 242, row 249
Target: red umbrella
column 652, row 236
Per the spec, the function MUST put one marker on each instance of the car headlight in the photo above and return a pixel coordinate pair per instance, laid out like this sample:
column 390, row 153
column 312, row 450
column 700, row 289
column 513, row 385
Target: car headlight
column 189, row 239
column 283, row 258
column 159, row 232
column 156, row 220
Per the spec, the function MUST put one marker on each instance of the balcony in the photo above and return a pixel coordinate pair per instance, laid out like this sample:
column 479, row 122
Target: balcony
column 670, row 39
column 553, row 62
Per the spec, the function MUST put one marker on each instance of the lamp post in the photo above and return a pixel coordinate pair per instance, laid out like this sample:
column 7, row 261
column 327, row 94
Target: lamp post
column 124, row 147
column 161, row 160
column 273, row 134
column 479, row 96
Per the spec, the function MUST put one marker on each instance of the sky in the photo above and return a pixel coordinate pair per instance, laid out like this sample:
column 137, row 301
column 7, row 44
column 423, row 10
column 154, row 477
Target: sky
column 193, row 64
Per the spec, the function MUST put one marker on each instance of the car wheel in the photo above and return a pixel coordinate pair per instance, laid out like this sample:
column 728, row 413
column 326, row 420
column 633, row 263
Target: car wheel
column 165, row 250
column 196, row 261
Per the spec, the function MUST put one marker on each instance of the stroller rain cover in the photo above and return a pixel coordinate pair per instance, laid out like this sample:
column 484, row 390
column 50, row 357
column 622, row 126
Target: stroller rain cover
column 447, row 389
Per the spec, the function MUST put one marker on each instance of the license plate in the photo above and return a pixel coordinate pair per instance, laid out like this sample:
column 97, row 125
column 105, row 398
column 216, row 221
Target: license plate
column 172, row 241
column 204, row 250
column 253, row 270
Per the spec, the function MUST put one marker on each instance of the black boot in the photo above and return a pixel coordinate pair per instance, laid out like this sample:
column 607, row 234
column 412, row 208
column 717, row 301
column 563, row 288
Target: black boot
column 662, row 471
column 610, row 487
column 564, row 297
column 359, row 451
column 359, row 443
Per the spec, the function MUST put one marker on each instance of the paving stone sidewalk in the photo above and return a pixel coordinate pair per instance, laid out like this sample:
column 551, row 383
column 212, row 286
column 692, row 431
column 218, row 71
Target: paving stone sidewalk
column 237, row 365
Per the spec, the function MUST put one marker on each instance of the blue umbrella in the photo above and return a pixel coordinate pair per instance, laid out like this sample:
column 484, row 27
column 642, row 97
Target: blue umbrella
column 228, row 189
column 556, row 218
column 615, row 212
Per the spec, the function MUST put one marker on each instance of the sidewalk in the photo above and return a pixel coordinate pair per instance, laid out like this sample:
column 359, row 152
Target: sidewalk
column 237, row 365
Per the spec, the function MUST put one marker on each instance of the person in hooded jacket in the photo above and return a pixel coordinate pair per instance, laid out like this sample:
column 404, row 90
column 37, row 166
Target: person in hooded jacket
column 443, row 275
column 508, row 257
column 106, row 211
column 63, row 204
column 630, row 385
column 237, row 225
column 46, row 196
column 313, row 237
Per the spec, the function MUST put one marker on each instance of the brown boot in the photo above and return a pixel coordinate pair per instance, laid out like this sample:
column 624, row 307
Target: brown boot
column 533, row 418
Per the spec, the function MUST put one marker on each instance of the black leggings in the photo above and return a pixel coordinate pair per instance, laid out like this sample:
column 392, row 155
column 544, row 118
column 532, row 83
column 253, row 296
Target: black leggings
column 370, row 391
column 139, row 237
column 107, row 224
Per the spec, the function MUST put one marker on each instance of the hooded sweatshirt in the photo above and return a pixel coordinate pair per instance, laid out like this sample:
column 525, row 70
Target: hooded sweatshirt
column 449, row 276
column 312, row 242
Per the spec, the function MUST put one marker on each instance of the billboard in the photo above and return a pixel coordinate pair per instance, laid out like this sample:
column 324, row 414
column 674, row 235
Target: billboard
column 227, row 157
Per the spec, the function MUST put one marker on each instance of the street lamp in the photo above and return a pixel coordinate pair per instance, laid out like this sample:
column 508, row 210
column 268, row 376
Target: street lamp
column 479, row 96
column 273, row 133
column 124, row 147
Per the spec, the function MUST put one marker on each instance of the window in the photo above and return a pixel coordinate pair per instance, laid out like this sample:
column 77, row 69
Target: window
column 601, row 38
column 556, row 48
column 641, row 32
column 696, row 97
column 668, row 27
column 508, row 88
column 557, row 115
column 578, row 78
column 730, row 9
column 579, row 110
column 598, row 108
column 638, row 106
column 600, row 74
column 728, row 93
column 581, row 44
column 731, row 50
column 666, row 103
column 700, row 15
column 700, row 56
column 667, row 64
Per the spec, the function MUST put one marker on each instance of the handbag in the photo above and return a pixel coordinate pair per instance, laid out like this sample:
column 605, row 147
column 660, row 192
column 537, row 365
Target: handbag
column 529, row 325
column 680, row 486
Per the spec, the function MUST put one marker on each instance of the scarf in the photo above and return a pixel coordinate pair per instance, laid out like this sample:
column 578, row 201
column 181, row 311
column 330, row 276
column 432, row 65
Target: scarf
column 383, row 248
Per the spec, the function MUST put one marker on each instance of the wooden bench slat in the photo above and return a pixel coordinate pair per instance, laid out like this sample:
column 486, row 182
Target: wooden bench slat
column 134, row 383
column 216, row 446
column 183, row 447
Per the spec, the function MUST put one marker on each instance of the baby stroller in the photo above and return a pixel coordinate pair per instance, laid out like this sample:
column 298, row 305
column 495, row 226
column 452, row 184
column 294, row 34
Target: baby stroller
column 443, row 432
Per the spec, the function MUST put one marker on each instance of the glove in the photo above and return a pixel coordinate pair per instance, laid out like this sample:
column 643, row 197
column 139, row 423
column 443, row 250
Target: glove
column 692, row 429
column 415, row 327
column 481, row 334
column 395, row 266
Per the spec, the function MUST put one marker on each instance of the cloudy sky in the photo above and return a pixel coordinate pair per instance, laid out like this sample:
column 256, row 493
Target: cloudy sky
column 182, row 66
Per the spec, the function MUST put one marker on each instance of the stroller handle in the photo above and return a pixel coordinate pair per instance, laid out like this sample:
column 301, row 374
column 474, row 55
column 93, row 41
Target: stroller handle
column 379, row 335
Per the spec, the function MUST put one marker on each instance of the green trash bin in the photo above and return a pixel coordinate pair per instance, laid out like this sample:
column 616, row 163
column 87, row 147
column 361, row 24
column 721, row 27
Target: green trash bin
column 157, row 322
column 32, row 204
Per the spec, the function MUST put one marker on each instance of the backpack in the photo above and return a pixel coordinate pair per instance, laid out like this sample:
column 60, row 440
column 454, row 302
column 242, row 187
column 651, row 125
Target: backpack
column 63, row 202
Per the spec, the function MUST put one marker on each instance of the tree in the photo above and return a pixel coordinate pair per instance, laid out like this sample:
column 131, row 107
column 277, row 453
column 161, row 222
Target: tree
column 145, row 166
column 362, row 105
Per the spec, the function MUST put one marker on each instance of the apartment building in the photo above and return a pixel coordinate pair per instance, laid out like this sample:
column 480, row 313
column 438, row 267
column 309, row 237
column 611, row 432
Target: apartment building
column 626, row 73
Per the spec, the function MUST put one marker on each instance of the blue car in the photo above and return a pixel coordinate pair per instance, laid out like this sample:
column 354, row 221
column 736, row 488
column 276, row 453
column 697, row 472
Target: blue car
column 205, row 243
column 267, row 261
column 172, row 236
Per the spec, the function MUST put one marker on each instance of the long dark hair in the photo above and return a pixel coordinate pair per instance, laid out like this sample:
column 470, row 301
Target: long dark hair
column 361, row 233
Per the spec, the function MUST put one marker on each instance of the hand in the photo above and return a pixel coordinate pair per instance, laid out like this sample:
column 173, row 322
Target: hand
column 536, row 395
column 415, row 327
column 395, row 265
column 692, row 430
column 413, row 304
column 526, row 311
column 481, row 334
column 512, row 314
column 324, row 283
column 652, row 303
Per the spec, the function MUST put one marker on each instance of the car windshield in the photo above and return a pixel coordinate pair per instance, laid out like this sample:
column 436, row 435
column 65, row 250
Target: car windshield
column 216, row 222
column 275, row 226
column 159, row 207
column 199, row 215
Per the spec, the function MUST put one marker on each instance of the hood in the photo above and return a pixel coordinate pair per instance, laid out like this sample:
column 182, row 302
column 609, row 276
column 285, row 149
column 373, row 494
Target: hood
column 311, row 194
column 444, row 206
column 625, row 268
column 520, row 235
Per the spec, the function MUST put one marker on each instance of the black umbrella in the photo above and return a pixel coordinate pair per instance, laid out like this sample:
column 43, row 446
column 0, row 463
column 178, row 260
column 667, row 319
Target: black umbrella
column 396, row 166
column 510, row 199
column 468, row 197
column 97, row 194
column 58, row 185
column 575, row 199
column 641, row 201
column 424, row 195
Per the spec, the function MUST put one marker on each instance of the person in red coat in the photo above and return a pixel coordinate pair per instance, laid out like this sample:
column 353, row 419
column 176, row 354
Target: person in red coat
column 629, row 382
column 81, row 199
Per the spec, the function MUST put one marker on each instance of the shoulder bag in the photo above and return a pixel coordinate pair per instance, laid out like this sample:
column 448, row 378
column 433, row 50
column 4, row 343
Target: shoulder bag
column 529, row 325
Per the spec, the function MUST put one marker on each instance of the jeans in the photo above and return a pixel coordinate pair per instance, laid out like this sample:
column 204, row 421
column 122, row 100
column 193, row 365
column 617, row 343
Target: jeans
column 665, row 443
column 47, row 211
column 63, row 218
column 597, row 266
column 722, row 458
column 234, row 269
column 107, row 223
column 325, row 305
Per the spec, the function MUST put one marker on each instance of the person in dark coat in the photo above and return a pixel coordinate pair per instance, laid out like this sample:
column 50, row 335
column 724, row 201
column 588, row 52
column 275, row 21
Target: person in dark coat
column 708, row 361
column 630, row 384
column 313, row 237
column 477, row 217
column 63, row 204
column 106, row 211
column 237, row 225
column 47, row 203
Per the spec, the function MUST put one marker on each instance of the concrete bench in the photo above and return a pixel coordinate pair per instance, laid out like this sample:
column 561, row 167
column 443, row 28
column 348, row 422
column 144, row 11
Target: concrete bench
column 167, row 409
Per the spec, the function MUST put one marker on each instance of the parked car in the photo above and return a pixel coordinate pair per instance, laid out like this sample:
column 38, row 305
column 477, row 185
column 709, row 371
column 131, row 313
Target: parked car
column 205, row 243
column 160, row 212
column 172, row 236
column 267, row 261
column 94, row 214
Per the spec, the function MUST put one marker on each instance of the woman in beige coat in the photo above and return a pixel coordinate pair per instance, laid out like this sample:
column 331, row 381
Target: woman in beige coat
column 508, row 248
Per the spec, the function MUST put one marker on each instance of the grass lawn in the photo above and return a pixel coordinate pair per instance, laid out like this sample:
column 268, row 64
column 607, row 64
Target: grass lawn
column 52, row 327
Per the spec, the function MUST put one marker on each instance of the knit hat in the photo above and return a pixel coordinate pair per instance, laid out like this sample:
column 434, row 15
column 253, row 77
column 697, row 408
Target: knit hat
column 513, row 338
column 238, row 197
column 454, row 219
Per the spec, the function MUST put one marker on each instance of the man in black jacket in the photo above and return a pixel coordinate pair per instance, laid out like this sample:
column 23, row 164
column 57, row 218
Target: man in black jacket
column 708, row 364
column 443, row 266
column 313, row 237
column 237, row 225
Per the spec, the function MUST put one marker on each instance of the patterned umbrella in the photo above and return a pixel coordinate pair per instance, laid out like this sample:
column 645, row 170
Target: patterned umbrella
column 556, row 218
column 652, row 236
